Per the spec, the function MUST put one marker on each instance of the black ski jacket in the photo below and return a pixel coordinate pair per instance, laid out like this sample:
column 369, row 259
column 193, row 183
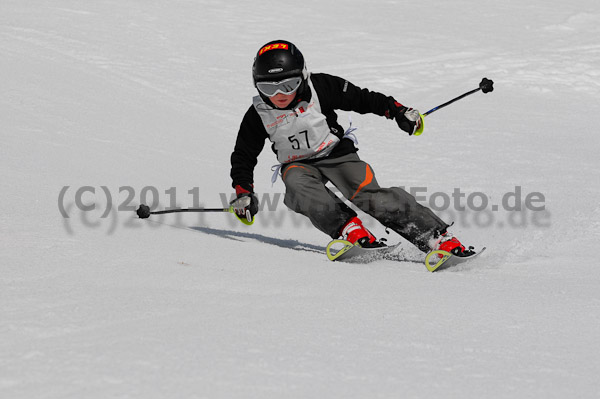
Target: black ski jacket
column 334, row 93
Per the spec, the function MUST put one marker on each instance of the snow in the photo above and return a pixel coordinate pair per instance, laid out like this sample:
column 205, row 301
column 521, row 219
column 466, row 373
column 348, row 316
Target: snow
column 127, row 97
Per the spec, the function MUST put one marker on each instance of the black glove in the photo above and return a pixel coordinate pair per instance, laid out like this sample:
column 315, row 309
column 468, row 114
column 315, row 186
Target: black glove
column 246, row 203
column 408, row 119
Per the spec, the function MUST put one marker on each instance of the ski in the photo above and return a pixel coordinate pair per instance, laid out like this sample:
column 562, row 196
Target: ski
column 345, row 251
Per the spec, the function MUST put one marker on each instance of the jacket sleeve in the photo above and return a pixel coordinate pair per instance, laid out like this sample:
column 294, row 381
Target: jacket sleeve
column 249, row 144
column 338, row 93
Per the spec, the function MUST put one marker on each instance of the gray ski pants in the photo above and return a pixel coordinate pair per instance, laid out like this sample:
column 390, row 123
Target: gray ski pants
column 393, row 207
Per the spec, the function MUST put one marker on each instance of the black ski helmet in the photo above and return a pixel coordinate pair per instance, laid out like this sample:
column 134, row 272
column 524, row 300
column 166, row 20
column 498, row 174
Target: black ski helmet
column 278, row 60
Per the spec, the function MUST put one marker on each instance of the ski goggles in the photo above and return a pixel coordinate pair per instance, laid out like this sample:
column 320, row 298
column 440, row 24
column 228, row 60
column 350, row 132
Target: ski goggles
column 286, row 86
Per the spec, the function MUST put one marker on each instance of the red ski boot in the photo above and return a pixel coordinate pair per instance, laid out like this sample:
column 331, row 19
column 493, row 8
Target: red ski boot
column 447, row 242
column 355, row 232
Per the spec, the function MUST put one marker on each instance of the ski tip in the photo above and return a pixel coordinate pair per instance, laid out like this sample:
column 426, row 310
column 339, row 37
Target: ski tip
column 446, row 259
column 333, row 253
column 441, row 256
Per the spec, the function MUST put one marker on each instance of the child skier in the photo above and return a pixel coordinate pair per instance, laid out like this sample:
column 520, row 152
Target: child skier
column 295, row 110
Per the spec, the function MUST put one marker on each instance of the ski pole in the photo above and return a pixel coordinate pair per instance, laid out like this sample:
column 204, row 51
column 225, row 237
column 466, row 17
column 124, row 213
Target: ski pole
column 485, row 86
column 144, row 212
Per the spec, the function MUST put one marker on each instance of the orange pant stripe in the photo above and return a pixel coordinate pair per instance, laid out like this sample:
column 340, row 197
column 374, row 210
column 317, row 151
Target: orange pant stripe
column 290, row 167
column 366, row 182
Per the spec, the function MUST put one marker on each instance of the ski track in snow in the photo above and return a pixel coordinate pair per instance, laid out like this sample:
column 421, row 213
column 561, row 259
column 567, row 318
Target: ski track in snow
column 123, row 95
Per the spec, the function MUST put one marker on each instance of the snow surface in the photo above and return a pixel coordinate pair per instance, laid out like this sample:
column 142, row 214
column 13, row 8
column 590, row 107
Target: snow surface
column 131, row 94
